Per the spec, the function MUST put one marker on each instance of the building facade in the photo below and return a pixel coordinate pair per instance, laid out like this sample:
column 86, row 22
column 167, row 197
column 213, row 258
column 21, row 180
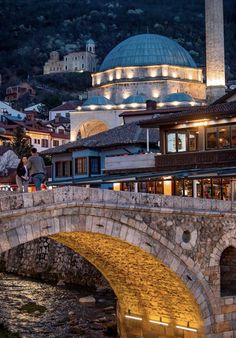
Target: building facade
column 73, row 62
column 14, row 93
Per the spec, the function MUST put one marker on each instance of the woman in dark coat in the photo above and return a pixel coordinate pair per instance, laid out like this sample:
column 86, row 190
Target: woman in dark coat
column 22, row 175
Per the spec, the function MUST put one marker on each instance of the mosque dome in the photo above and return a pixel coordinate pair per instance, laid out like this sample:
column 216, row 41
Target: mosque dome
column 135, row 99
column 145, row 50
column 178, row 97
column 97, row 101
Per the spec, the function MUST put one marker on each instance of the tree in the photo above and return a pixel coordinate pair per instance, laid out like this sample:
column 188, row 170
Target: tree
column 21, row 143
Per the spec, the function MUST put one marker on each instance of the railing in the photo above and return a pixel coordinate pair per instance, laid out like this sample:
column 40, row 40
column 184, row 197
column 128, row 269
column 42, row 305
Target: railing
column 206, row 159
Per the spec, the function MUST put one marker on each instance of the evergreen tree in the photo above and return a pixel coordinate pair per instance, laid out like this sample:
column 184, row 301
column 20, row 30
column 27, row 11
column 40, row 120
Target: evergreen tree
column 21, row 143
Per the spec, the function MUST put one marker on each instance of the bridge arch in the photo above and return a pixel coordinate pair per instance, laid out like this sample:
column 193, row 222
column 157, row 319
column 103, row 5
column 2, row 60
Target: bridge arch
column 79, row 221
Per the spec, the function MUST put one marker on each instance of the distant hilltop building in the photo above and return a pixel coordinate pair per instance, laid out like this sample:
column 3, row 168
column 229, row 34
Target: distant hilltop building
column 14, row 93
column 73, row 62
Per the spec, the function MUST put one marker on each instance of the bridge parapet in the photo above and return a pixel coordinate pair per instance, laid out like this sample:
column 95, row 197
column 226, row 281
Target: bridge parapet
column 120, row 198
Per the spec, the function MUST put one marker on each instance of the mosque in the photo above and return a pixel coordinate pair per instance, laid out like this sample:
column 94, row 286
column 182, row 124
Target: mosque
column 152, row 67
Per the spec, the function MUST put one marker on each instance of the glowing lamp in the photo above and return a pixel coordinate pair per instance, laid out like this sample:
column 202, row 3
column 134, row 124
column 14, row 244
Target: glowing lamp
column 186, row 328
column 158, row 322
column 133, row 317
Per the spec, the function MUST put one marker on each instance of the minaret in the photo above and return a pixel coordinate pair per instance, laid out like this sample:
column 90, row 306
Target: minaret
column 90, row 46
column 215, row 56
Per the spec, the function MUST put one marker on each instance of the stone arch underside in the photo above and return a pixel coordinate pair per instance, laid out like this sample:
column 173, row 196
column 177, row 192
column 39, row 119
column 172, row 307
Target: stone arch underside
column 92, row 127
column 143, row 284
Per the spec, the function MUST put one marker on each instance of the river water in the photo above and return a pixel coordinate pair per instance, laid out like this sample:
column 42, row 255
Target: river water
column 56, row 311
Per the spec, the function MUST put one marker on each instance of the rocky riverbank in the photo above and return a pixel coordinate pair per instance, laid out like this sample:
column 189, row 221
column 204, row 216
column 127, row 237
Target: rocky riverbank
column 35, row 309
column 48, row 260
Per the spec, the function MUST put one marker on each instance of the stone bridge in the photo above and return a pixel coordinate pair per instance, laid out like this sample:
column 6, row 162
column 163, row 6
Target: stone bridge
column 170, row 260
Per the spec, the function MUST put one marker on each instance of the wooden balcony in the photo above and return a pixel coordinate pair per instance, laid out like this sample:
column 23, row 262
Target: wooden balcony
column 203, row 159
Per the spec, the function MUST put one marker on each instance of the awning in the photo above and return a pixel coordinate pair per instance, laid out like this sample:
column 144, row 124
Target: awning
column 148, row 176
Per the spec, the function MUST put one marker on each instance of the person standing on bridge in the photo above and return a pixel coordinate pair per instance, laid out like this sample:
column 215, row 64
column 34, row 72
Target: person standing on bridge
column 37, row 169
column 22, row 177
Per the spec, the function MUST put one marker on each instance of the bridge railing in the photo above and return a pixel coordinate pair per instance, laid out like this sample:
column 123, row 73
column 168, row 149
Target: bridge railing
column 82, row 195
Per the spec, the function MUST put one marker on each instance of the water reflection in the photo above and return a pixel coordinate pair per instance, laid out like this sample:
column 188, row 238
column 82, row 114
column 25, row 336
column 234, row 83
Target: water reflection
column 60, row 314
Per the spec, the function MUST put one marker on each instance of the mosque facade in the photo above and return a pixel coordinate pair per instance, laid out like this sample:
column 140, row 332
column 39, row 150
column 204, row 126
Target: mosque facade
column 149, row 67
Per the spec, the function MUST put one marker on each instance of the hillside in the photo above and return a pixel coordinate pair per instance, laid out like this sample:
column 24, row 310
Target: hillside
column 29, row 30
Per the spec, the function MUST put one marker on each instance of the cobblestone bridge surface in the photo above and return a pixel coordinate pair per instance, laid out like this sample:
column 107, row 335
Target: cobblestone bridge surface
column 160, row 254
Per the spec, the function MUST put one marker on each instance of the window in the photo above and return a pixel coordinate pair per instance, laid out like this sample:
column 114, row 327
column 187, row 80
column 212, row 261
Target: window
column 222, row 137
column 193, row 140
column 94, row 165
column 171, row 142
column 82, row 65
column 181, row 141
column 81, row 166
column 211, row 138
column 58, row 169
column 233, row 136
column 38, row 141
column 55, row 143
column 127, row 186
column 63, row 169
column 228, row 272
column 44, row 143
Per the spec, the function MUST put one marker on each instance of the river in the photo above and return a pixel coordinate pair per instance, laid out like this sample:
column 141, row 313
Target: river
column 39, row 310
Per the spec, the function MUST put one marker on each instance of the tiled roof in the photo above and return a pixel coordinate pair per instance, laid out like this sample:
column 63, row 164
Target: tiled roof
column 157, row 111
column 127, row 134
column 213, row 111
column 66, row 106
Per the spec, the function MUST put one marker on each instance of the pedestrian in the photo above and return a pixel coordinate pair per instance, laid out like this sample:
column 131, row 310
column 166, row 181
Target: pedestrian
column 37, row 169
column 22, row 175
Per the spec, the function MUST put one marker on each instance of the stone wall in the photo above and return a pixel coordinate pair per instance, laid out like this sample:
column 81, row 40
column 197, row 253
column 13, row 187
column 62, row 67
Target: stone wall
column 48, row 260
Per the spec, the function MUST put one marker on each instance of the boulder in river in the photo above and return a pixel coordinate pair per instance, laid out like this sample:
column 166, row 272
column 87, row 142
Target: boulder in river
column 89, row 299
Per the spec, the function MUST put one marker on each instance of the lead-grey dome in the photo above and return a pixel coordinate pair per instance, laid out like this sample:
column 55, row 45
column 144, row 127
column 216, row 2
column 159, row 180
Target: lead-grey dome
column 145, row 50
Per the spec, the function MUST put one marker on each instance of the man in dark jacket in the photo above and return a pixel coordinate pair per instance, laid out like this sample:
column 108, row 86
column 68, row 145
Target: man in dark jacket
column 37, row 169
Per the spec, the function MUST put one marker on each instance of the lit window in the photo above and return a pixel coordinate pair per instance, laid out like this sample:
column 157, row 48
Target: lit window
column 233, row 136
column 211, row 138
column 224, row 137
column 171, row 142
column 181, row 141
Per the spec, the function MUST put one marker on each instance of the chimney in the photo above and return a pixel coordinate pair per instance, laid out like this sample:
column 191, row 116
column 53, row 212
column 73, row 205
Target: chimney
column 151, row 105
column 215, row 58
